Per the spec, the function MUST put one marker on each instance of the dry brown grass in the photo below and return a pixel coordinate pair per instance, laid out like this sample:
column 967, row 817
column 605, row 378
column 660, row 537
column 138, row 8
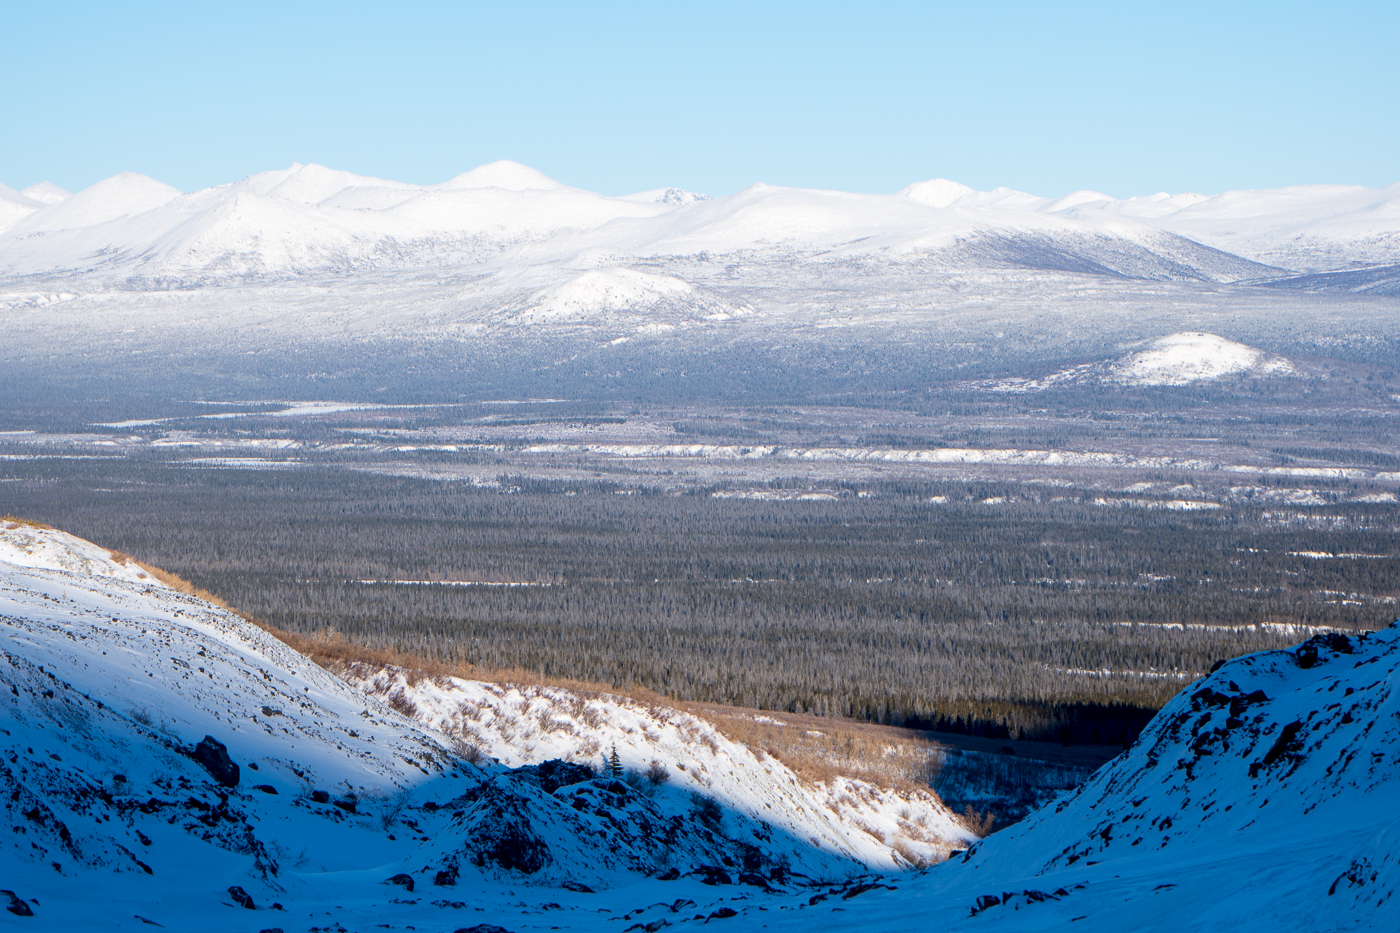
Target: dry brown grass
column 14, row 521
column 820, row 749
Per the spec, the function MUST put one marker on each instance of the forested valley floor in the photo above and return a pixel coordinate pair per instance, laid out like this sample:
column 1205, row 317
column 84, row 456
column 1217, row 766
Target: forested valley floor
column 784, row 559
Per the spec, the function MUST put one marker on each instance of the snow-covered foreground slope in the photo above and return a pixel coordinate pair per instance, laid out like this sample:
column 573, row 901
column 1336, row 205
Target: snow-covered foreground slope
column 519, row 726
column 1263, row 797
column 158, row 751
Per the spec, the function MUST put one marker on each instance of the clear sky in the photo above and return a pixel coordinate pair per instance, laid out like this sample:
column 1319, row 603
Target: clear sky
column 1048, row 97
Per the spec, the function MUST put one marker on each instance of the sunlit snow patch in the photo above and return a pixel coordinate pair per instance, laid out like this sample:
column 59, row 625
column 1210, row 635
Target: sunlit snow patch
column 1181, row 359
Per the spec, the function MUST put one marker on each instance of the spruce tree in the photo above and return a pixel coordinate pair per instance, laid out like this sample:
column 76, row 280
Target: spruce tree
column 614, row 764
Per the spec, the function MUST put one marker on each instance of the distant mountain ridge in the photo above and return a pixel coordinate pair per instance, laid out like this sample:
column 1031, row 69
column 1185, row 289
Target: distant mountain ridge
column 309, row 219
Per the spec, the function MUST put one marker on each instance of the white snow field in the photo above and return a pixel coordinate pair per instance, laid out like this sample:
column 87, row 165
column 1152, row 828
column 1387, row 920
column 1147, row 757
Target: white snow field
column 115, row 680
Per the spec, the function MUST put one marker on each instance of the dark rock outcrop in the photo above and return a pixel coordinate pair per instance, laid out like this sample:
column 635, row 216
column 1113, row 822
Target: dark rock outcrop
column 17, row 905
column 211, row 754
column 402, row 879
column 557, row 773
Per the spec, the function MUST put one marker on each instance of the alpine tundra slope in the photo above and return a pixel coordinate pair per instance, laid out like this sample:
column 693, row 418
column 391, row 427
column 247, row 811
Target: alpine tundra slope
column 166, row 762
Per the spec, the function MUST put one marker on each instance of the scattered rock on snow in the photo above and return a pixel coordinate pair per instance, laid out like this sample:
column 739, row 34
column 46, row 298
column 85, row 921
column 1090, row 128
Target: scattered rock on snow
column 17, row 905
column 213, row 756
column 712, row 874
column 402, row 879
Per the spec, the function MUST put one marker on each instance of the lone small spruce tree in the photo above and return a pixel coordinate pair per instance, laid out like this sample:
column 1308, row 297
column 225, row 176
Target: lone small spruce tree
column 614, row 764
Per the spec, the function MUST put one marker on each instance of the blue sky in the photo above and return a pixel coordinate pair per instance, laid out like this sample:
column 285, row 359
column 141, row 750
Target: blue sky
column 1126, row 98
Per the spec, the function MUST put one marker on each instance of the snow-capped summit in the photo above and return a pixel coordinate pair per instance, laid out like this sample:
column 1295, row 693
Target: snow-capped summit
column 512, row 176
column 939, row 192
column 14, row 207
column 1174, row 360
column 312, row 184
column 675, row 196
column 123, row 195
column 46, row 192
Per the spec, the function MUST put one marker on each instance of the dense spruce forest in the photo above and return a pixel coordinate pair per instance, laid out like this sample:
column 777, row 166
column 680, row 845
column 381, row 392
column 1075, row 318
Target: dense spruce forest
column 987, row 606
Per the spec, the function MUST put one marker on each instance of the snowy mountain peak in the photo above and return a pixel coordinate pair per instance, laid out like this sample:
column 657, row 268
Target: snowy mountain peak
column 511, row 176
column 1174, row 360
column 312, row 184
column 939, row 192
column 678, row 197
column 122, row 195
column 46, row 192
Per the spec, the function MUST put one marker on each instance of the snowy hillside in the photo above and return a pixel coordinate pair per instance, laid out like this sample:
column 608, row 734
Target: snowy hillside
column 1266, row 796
column 1174, row 360
column 164, row 752
column 1308, row 228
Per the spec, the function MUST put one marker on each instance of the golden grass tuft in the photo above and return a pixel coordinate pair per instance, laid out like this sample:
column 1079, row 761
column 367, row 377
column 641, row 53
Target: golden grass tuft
column 821, row 749
column 14, row 521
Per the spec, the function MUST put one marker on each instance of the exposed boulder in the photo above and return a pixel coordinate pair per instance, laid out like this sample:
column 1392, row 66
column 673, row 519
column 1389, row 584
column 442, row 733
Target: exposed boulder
column 213, row 756
column 402, row 879
column 17, row 905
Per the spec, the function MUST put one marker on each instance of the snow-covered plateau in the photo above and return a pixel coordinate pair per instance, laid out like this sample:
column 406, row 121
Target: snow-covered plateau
column 166, row 762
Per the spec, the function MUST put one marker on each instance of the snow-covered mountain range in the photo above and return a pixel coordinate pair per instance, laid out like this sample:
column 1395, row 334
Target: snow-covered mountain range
column 309, row 218
column 503, row 262
column 165, row 762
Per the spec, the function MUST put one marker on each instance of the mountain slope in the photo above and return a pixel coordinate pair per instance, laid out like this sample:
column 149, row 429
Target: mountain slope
column 160, row 751
column 1307, row 228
